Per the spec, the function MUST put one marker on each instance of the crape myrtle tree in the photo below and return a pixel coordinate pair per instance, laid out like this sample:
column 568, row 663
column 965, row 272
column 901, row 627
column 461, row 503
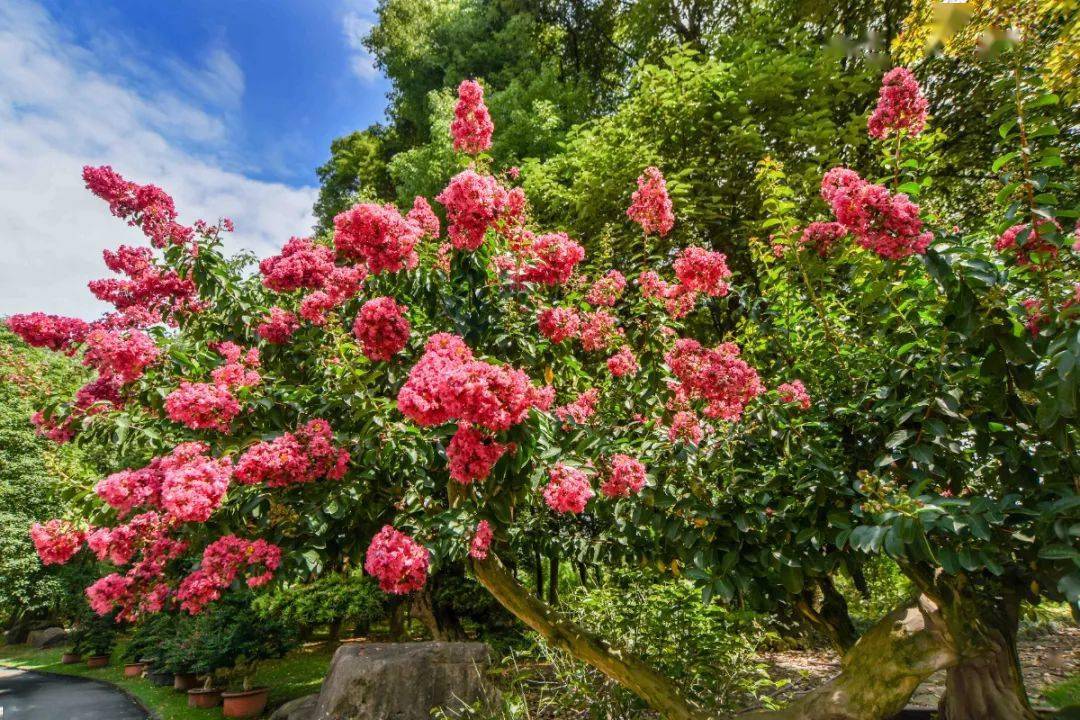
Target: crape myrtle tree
column 468, row 394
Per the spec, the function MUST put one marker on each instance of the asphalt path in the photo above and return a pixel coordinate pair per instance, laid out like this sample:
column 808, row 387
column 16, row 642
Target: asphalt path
column 26, row 695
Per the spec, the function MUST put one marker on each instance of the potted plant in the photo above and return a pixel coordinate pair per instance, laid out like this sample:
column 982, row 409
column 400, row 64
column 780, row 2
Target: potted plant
column 181, row 654
column 98, row 642
column 70, row 657
column 243, row 700
column 146, row 645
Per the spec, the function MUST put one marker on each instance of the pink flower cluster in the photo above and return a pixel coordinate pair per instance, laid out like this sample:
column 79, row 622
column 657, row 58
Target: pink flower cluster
column 650, row 205
column 598, row 331
column 1035, row 315
column 448, row 384
column 398, row 562
column 685, row 427
column 119, row 353
column 1036, row 249
column 558, row 323
column 475, row 203
column 300, row 264
column 794, row 393
column 568, row 489
column 278, row 326
column 239, row 368
column 202, row 406
column 580, row 409
column 147, row 207
column 424, row 218
column 480, row 544
column 471, row 127
column 108, row 592
column 148, row 292
column 717, row 376
column 56, row 541
column 701, row 270
column 821, row 237
column 901, row 106
column 607, row 290
column 222, row 562
column 626, row 476
column 472, row 454
column 288, row 459
column 382, row 328
column 886, row 224
column 623, row 362
column 550, row 259
column 193, row 484
column 379, row 236
column 54, row 332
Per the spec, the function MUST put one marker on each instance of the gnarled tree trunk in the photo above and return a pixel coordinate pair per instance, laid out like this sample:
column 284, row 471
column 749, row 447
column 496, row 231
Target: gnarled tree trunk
column 831, row 617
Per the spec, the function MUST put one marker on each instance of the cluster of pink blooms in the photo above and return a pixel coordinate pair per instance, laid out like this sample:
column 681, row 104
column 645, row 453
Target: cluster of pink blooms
column 568, row 489
column 398, row 562
column 193, row 483
column 118, row 545
column 424, row 217
column 598, row 331
column 278, row 326
column 701, row 270
column 222, row 561
column 685, row 427
column 626, row 476
column 1034, row 243
column 147, row 207
column 480, row 544
column 56, row 541
column 472, row 454
column 58, row 430
column 717, row 376
column 107, row 592
column 623, row 362
column 343, row 283
column 54, row 332
column 580, row 409
column 1036, row 317
column 120, row 353
column 558, row 323
column 886, row 224
column 300, row 264
column 448, row 384
column 550, row 259
column 148, row 292
column 290, row 458
column 239, row 369
column 794, row 393
column 822, row 236
column 471, row 127
column 382, row 328
column 607, row 290
column 202, row 406
column 474, row 203
column 901, row 106
column 650, row 205
column 377, row 235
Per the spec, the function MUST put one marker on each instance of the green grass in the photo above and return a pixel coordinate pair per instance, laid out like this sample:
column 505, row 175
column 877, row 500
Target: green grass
column 298, row 673
column 1064, row 694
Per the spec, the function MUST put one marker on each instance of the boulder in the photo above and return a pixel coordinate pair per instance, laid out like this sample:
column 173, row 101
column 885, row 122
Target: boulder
column 47, row 638
column 403, row 681
column 302, row 708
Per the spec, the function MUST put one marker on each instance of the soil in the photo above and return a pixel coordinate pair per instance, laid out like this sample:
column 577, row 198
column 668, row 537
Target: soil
column 1046, row 659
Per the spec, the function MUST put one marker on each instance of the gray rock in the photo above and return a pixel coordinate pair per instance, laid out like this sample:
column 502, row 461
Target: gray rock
column 302, row 708
column 403, row 681
column 47, row 638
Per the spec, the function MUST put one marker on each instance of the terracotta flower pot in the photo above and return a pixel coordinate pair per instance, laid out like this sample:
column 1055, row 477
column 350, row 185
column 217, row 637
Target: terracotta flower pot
column 97, row 661
column 185, row 681
column 203, row 698
column 133, row 670
column 70, row 658
column 245, row 704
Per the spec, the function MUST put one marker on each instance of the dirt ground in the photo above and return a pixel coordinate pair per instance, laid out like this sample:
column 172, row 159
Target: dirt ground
column 1046, row 659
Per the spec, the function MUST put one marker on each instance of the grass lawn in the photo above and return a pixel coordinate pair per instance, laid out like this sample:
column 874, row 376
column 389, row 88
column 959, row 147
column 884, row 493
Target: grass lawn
column 298, row 673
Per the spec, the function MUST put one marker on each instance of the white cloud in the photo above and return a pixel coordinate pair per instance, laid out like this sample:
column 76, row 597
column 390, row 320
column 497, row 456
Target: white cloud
column 356, row 23
column 63, row 106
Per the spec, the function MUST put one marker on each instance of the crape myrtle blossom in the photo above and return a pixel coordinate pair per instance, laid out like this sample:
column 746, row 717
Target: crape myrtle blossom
column 901, row 106
column 607, row 289
column 54, row 332
column 149, row 292
column 424, row 218
column 623, row 362
column 59, row 431
column 794, row 393
column 626, row 477
column 147, row 207
column 222, row 562
column 398, row 562
column 685, row 427
column 56, row 541
column 476, row 203
column 718, row 377
column 278, row 326
column 481, row 541
column 598, row 331
column 821, row 237
column 880, row 221
column 193, row 484
column 568, row 489
column 382, row 328
column 650, row 205
column 292, row 458
column 378, row 236
column 1030, row 249
column 202, row 406
column 550, row 259
column 702, row 270
column 121, row 353
column 580, row 409
column 558, row 323
column 471, row 127
column 472, row 454
column 300, row 264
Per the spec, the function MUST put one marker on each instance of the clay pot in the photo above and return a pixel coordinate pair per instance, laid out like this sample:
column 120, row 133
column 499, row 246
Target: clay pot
column 245, row 704
column 134, row 670
column 185, row 681
column 97, row 661
column 203, row 698
column 70, row 658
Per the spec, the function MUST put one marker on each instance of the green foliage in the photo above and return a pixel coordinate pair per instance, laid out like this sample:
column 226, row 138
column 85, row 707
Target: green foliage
column 1064, row 694
column 95, row 635
column 150, row 638
column 334, row 597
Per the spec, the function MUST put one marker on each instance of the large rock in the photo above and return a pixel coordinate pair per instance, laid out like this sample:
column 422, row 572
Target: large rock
column 299, row 709
column 402, row 681
column 47, row 638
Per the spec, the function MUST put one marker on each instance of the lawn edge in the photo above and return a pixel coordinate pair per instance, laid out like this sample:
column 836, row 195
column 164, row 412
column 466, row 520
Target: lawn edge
column 154, row 715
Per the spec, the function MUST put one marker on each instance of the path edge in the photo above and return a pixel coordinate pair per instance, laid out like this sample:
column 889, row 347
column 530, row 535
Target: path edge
column 154, row 714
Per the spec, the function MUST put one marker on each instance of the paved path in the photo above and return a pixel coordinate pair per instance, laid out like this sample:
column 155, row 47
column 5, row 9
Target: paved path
column 28, row 695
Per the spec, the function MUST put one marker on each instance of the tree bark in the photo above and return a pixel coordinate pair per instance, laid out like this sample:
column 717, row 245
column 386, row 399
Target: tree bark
column 831, row 618
column 442, row 624
column 658, row 691
column 553, row 579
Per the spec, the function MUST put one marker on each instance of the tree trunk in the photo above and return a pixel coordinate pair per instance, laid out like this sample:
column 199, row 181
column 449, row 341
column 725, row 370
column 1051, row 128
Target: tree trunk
column 553, row 579
column 658, row 691
column 831, row 618
column 397, row 621
column 334, row 630
column 440, row 622
column 881, row 671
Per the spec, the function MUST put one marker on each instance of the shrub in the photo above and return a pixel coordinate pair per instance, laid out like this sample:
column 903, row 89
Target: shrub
column 151, row 637
column 95, row 635
column 333, row 598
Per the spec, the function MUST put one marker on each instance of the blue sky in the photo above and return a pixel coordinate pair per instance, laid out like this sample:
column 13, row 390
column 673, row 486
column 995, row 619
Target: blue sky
column 228, row 105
